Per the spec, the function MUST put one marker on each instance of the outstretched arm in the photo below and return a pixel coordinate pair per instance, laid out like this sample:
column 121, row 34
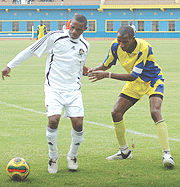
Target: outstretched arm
column 22, row 56
column 100, row 67
column 98, row 75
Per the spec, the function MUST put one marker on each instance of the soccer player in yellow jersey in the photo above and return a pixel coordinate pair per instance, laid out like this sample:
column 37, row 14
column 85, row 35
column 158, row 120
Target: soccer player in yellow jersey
column 41, row 30
column 144, row 76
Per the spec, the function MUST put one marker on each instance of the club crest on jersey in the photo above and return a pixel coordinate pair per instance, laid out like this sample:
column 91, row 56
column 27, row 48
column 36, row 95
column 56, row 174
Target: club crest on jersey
column 81, row 52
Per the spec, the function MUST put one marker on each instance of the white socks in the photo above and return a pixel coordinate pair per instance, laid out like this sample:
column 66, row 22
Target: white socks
column 51, row 135
column 77, row 138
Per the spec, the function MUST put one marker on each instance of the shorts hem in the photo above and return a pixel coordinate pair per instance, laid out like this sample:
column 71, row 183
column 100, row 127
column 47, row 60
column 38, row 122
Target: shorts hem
column 133, row 100
column 156, row 95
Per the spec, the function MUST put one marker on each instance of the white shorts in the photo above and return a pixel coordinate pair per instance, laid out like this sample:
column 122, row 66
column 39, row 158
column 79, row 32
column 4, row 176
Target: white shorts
column 71, row 101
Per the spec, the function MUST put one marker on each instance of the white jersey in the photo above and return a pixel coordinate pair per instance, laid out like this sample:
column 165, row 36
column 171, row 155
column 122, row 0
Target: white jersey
column 65, row 60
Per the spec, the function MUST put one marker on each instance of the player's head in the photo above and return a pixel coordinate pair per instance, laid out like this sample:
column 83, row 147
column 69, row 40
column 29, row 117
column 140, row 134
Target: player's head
column 126, row 38
column 77, row 26
column 130, row 23
column 41, row 22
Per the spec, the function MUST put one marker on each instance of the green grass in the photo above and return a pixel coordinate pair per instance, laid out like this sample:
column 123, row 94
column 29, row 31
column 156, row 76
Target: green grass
column 23, row 132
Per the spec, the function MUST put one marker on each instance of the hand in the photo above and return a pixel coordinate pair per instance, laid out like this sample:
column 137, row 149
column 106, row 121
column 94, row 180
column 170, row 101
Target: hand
column 85, row 70
column 5, row 72
column 90, row 70
column 98, row 75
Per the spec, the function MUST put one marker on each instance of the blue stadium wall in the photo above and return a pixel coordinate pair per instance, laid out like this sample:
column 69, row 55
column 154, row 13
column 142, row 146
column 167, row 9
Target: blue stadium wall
column 24, row 13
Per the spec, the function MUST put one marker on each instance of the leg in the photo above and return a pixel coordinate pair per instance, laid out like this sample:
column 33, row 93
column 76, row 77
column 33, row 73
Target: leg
column 122, row 104
column 77, row 138
column 155, row 109
column 77, row 123
column 161, row 127
column 53, row 121
column 51, row 134
column 77, row 135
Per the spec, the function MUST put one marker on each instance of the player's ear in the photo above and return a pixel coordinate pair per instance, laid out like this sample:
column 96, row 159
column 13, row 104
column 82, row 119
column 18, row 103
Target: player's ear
column 85, row 28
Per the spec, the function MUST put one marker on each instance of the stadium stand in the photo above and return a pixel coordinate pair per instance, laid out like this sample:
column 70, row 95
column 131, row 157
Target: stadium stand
column 139, row 2
column 82, row 2
column 91, row 2
column 54, row 2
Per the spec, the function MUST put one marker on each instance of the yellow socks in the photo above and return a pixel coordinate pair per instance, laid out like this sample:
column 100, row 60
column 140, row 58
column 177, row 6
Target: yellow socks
column 161, row 128
column 162, row 132
column 119, row 128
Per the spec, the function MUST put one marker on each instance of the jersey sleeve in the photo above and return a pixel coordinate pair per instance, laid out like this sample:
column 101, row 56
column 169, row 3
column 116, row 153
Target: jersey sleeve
column 112, row 55
column 44, row 45
column 21, row 57
column 141, row 61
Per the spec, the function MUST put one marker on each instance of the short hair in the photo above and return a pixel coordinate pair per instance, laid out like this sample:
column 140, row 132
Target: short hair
column 123, row 30
column 80, row 18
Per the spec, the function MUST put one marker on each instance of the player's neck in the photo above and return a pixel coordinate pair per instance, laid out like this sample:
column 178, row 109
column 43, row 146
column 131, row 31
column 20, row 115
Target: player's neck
column 132, row 48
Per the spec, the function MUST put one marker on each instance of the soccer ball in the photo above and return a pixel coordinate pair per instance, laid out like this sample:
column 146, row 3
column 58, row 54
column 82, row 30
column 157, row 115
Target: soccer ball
column 18, row 169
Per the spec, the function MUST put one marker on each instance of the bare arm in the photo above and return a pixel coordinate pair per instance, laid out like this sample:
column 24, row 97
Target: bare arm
column 98, row 75
column 100, row 67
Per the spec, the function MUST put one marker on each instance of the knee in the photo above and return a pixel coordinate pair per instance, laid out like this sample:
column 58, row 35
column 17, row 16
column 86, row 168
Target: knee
column 53, row 121
column 78, row 127
column 116, row 115
column 156, row 114
column 77, row 123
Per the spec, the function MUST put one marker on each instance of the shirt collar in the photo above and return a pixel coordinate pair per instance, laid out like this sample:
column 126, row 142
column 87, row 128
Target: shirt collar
column 138, row 47
column 73, row 40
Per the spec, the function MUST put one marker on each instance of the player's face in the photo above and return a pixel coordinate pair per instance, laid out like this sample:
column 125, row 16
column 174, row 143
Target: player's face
column 126, row 43
column 76, row 29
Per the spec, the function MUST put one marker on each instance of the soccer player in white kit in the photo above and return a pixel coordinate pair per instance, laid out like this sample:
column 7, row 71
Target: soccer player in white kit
column 67, row 53
column 133, row 26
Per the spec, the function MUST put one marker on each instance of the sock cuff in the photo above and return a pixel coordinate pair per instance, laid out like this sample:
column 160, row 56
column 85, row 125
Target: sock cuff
column 51, row 130
column 160, row 121
column 167, row 151
column 77, row 133
column 119, row 122
column 124, row 147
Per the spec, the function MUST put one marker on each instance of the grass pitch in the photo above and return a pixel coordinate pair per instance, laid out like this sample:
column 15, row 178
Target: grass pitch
column 23, row 125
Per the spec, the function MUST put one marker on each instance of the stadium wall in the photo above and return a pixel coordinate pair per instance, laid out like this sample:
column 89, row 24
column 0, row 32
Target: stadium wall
column 100, row 16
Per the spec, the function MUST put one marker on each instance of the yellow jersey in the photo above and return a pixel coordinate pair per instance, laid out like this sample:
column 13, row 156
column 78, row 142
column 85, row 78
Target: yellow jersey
column 140, row 63
column 41, row 31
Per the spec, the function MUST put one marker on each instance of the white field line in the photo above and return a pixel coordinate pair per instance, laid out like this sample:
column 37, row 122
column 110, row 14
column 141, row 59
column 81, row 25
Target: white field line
column 90, row 122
